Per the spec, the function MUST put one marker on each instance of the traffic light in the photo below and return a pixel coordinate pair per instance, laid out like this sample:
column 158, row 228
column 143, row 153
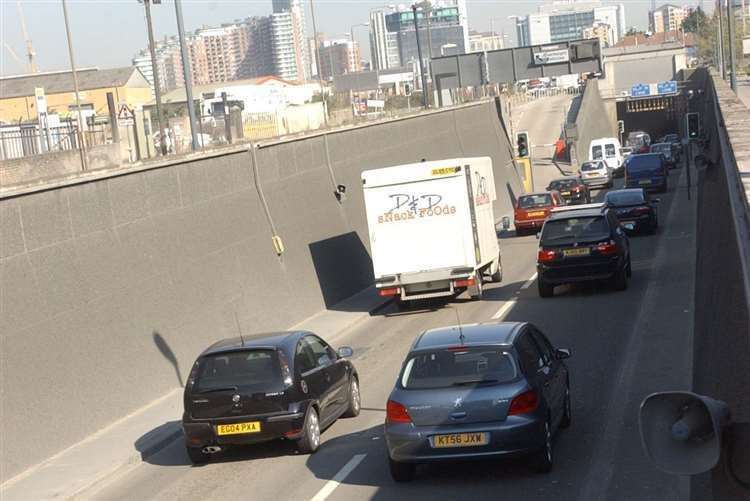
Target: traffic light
column 408, row 89
column 693, row 125
column 522, row 144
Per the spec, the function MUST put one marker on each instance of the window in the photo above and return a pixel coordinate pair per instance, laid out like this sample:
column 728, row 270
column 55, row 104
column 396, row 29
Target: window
column 589, row 166
column 620, row 198
column 596, row 152
column 528, row 354
column 458, row 367
column 609, row 150
column 531, row 201
column 248, row 368
column 544, row 345
column 304, row 360
column 322, row 353
column 563, row 184
column 591, row 228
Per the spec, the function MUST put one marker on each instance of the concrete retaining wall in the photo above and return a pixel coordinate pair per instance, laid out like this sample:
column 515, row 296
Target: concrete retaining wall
column 40, row 168
column 722, row 291
column 593, row 120
column 109, row 288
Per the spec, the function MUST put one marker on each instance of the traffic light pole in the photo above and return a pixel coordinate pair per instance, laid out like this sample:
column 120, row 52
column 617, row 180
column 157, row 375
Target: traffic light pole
column 421, row 60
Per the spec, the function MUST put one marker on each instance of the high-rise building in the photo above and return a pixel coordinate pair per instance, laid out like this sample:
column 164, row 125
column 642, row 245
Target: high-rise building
column 338, row 57
column 564, row 20
column 668, row 17
column 602, row 31
column 481, row 42
column 258, row 46
column 439, row 27
column 383, row 43
column 296, row 38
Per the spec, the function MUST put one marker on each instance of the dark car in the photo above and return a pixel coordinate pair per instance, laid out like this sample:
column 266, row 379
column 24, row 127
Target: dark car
column 495, row 389
column 676, row 143
column 639, row 141
column 648, row 171
column 634, row 208
column 581, row 244
column 572, row 189
column 533, row 208
column 283, row 385
column 666, row 150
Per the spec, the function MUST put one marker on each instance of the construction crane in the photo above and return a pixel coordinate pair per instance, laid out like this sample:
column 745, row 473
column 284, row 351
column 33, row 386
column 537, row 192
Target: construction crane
column 15, row 56
column 30, row 54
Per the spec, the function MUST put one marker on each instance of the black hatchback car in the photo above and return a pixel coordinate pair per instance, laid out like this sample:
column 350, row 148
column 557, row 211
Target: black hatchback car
column 582, row 243
column 284, row 385
column 634, row 208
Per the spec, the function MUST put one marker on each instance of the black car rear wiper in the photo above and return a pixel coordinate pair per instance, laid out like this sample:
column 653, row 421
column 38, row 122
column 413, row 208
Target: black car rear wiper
column 475, row 381
column 222, row 388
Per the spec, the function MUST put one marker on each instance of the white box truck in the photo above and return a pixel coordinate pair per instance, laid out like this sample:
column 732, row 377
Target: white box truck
column 432, row 229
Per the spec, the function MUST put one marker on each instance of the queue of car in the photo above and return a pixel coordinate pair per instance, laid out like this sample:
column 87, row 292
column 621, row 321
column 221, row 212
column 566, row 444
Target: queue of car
column 495, row 389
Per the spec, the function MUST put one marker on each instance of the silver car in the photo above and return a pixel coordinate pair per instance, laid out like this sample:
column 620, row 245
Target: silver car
column 476, row 391
column 596, row 173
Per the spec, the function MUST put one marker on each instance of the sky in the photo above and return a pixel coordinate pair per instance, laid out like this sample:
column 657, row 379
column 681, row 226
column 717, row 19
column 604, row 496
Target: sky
column 108, row 33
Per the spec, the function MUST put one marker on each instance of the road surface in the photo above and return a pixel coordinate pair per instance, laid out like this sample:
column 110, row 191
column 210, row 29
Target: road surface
column 625, row 345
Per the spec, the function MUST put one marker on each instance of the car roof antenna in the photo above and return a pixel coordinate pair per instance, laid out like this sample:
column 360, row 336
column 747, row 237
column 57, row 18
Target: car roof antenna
column 461, row 336
column 239, row 328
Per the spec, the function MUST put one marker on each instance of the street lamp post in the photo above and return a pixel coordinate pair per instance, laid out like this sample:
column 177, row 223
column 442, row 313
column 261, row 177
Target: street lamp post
column 722, row 62
column 318, row 63
column 155, row 71
column 186, row 75
column 732, row 56
column 421, row 60
column 81, row 138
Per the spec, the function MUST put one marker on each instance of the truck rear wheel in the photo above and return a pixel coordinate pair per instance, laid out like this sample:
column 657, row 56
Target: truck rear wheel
column 477, row 291
column 497, row 277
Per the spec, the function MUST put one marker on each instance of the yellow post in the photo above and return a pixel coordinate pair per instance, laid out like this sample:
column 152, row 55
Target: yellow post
column 526, row 176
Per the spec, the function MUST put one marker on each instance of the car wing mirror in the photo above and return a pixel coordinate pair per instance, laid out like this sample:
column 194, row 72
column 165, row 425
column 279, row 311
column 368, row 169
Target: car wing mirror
column 538, row 235
column 656, row 200
column 345, row 352
column 562, row 353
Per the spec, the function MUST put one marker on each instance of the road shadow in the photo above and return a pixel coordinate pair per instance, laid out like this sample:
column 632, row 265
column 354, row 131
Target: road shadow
column 450, row 478
column 343, row 268
column 152, row 445
column 163, row 346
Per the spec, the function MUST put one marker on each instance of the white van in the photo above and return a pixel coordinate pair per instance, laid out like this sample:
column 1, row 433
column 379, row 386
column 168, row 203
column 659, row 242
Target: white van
column 607, row 149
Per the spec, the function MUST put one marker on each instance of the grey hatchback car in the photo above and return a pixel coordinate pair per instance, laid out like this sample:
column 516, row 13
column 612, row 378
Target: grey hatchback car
column 477, row 391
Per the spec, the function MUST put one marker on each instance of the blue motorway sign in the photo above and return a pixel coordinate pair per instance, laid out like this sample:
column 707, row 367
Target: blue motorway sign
column 640, row 90
column 667, row 87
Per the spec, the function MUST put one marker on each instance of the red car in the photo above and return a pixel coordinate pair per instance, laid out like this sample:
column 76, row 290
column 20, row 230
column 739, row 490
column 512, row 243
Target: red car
column 533, row 209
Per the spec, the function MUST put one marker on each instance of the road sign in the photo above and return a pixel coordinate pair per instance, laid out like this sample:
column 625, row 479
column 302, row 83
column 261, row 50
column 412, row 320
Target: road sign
column 667, row 87
column 552, row 56
column 640, row 90
column 41, row 100
column 124, row 113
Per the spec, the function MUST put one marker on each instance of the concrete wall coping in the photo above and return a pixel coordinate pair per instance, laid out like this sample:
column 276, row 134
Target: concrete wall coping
column 735, row 146
column 87, row 177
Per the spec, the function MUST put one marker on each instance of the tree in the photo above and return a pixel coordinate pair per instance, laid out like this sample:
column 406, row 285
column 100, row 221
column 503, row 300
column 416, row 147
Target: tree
column 633, row 31
column 696, row 22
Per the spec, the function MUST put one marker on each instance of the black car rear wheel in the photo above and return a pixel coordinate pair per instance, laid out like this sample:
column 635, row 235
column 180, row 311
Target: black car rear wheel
column 354, row 399
column 309, row 442
column 545, row 289
column 196, row 455
column 402, row 472
column 542, row 461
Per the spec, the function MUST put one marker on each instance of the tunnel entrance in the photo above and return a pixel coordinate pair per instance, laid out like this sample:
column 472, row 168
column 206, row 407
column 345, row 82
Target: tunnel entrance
column 657, row 115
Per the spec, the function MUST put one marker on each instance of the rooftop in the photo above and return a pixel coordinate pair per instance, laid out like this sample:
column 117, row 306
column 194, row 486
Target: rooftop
column 56, row 82
column 497, row 333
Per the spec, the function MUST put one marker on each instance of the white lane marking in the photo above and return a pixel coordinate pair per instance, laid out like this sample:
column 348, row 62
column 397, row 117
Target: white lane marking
column 344, row 472
column 503, row 310
column 528, row 282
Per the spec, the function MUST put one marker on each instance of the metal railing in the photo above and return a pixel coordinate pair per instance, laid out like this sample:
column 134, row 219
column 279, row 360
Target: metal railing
column 19, row 141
